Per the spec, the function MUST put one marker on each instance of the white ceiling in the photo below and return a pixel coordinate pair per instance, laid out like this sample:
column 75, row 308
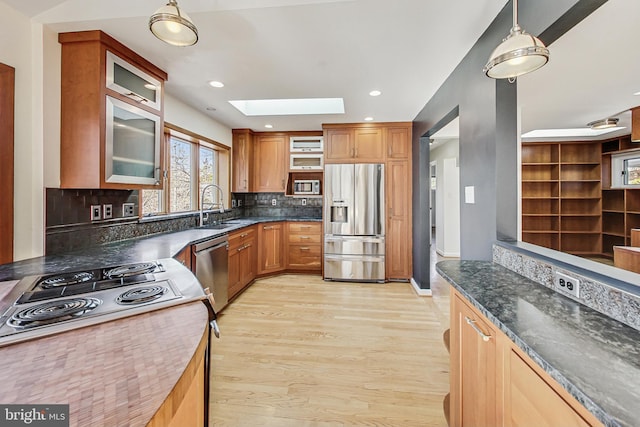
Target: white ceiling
column 265, row 49
column 592, row 74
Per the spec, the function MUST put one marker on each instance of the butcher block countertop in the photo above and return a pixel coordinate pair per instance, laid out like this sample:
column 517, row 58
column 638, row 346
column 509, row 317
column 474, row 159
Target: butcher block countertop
column 117, row 373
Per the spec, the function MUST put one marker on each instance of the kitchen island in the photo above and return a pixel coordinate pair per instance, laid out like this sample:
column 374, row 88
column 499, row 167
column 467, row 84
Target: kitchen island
column 592, row 357
column 130, row 371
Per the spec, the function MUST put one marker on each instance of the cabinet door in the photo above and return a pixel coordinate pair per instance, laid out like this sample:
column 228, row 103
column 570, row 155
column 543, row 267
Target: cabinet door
column 398, row 143
column 368, row 145
column 339, row 145
column 234, row 271
column 530, row 400
column 474, row 399
column 270, row 253
column 242, row 155
column 248, row 262
column 130, row 81
column 398, row 238
column 269, row 163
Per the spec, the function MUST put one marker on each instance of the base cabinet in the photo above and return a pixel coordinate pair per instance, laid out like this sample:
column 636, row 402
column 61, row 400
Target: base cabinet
column 494, row 383
column 271, row 256
column 304, row 246
column 243, row 256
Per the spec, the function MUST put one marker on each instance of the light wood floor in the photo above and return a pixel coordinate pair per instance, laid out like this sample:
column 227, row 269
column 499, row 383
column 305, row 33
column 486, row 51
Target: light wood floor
column 298, row 351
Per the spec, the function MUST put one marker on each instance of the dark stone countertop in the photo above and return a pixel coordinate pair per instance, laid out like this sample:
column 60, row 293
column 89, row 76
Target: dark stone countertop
column 595, row 358
column 157, row 246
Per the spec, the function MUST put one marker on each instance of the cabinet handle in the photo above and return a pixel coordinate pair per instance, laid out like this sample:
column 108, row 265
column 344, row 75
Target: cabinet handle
column 240, row 249
column 139, row 99
column 304, row 237
column 304, row 249
column 243, row 235
column 389, row 151
column 484, row 336
column 270, row 227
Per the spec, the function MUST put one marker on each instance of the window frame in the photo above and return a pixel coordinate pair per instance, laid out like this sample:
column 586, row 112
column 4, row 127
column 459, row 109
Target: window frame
column 222, row 168
column 618, row 172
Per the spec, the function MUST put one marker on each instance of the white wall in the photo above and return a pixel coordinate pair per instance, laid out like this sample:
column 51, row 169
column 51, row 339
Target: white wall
column 21, row 49
column 180, row 114
column 447, row 198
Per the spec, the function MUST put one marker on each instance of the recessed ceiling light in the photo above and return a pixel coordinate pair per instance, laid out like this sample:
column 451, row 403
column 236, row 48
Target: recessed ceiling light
column 637, row 93
column 375, row 93
column 211, row 109
column 268, row 126
column 287, row 107
column 214, row 83
column 368, row 119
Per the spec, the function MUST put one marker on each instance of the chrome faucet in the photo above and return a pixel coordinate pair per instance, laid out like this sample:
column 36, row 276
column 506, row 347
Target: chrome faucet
column 221, row 204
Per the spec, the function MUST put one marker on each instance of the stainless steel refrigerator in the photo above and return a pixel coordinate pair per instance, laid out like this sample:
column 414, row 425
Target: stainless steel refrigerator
column 354, row 222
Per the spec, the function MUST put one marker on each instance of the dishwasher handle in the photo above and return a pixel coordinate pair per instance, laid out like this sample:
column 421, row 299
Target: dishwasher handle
column 209, row 302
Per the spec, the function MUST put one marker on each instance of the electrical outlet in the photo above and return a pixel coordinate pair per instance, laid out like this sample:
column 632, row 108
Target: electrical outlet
column 107, row 211
column 273, row 202
column 233, row 203
column 239, row 203
column 304, row 202
column 128, row 209
column 96, row 211
column 567, row 284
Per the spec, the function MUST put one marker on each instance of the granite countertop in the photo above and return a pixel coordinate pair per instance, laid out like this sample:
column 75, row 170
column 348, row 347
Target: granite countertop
column 165, row 245
column 113, row 374
column 595, row 358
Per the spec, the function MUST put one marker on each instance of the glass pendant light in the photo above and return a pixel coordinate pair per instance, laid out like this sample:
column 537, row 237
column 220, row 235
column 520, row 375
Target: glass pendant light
column 518, row 54
column 173, row 26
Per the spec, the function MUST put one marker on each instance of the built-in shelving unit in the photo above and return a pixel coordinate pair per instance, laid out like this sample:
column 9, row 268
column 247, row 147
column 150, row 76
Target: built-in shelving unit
column 620, row 206
column 561, row 196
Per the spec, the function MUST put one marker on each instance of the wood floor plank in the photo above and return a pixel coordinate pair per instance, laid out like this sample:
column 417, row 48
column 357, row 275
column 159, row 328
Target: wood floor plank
column 298, row 351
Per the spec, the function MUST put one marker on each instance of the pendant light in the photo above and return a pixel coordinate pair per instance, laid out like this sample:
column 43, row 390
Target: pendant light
column 607, row 123
column 518, row 54
column 173, row 26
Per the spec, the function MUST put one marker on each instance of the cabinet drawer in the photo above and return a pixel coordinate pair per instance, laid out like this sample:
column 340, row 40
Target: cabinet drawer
column 306, row 228
column 304, row 238
column 305, row 256
column 241, row 236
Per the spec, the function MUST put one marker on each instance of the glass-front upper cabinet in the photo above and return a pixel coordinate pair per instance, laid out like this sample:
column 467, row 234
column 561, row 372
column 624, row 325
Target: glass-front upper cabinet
column 132, row 82
column 132, row 146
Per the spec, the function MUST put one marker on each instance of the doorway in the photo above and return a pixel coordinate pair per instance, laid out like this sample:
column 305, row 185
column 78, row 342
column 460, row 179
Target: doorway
column 444, row 208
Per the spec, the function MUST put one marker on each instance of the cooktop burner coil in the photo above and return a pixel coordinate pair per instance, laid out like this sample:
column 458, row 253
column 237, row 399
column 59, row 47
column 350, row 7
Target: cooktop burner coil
column 131, row 270
column 66, row 279
column 141, row 294
column 53, row 312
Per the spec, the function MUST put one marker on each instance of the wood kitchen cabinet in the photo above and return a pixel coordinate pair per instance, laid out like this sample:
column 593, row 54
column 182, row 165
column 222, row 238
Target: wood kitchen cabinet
column 242, row 157
column 243, row 259
column 494, row 383
column 474, row 368
column 398, row 142
column 398, row 263
column 270, row 171
column 304, row 246
column 352, row 144
column 270, row 254
column 111, row 115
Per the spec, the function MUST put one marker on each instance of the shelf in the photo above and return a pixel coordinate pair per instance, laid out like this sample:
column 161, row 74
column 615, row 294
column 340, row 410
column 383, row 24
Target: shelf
column 579, row 163
column 608, row 233
column 563, row 232
column 612, row 211
column 539, row 164
column 541, row 198
column 540, row 231
column 540, row 180
column 540, row 215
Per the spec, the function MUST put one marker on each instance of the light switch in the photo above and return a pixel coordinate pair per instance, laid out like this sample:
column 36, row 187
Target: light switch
column 96, row 211
column 469, row 194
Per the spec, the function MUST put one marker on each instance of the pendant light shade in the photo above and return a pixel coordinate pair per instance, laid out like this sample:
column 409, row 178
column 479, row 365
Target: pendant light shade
column 518, row 54
column 173, row 26
column 607, row 123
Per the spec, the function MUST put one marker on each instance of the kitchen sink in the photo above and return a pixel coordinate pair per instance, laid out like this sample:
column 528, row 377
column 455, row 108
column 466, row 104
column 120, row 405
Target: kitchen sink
column 217, row 226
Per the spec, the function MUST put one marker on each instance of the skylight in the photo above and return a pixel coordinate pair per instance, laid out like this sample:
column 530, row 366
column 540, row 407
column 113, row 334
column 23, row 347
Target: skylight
column 289, row 107
column 569, row 133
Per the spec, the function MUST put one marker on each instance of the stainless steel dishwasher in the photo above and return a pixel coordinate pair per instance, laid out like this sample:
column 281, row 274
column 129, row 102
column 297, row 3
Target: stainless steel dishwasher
column 212, row 268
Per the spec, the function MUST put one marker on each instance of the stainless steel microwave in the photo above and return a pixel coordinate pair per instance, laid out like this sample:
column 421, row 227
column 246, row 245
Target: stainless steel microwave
column 303, row 187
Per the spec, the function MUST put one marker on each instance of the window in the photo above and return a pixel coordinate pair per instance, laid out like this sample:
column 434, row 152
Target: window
column 191, row 164
column 625, row 170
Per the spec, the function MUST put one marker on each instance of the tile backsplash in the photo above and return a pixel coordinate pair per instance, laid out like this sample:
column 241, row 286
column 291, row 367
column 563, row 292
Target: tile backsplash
column 69, row 226
column 596, row 294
